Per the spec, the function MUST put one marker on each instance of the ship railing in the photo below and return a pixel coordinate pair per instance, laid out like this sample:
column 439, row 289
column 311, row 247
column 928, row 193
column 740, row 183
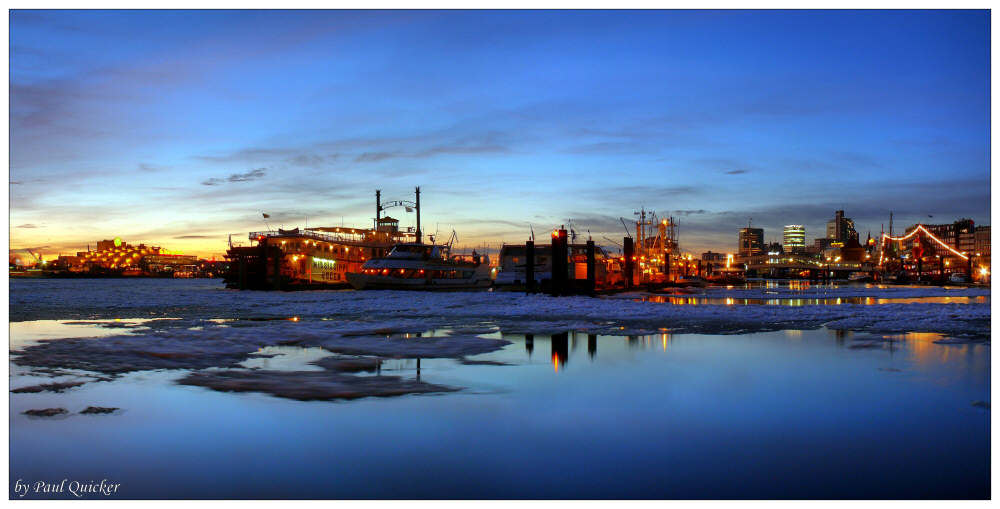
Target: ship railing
column 466, row 259
column 308, row 234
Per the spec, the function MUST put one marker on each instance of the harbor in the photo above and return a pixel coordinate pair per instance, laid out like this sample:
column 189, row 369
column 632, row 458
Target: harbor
column 591, row 256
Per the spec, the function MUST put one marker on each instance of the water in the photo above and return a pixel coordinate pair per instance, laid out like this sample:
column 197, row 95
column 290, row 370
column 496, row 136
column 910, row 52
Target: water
column 821, row 301
column 564, row 414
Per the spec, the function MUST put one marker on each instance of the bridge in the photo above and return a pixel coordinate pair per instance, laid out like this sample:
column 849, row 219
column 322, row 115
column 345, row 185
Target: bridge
column 799, row 262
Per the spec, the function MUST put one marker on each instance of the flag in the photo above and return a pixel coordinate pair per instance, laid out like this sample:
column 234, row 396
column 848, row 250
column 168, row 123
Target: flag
column 408, row 209
column 265, row 215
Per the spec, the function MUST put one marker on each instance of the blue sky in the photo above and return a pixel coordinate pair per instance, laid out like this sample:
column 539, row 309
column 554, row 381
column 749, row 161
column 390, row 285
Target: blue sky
column 177, row 128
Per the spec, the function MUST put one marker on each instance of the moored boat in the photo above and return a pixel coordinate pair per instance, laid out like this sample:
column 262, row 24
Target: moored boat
column 512, row 269
column 315, row 258
column 860, row 277
column 694, row 281
column 427, row 267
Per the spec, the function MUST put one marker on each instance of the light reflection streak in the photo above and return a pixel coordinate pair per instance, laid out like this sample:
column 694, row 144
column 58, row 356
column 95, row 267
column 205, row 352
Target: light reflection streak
column 819, row 301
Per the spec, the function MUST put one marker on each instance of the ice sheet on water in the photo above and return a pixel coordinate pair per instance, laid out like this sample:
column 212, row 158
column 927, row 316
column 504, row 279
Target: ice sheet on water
column 224, row 346
column 310, row 385
column 199, row 327
column 413, row 347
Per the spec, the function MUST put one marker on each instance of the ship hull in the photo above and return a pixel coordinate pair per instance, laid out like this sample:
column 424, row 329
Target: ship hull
column 362, row 281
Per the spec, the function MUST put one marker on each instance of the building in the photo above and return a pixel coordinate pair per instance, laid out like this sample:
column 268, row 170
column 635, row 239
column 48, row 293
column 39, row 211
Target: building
column 820, row 246
column 982, row 245
column 713, row 257
column 840, row 228
column 751, row 241
column 960, row 236
column 115, row 256
column 794, row 238
column 774, row 248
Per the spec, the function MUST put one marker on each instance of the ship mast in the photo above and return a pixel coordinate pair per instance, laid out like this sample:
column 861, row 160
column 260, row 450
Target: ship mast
column 418, row 215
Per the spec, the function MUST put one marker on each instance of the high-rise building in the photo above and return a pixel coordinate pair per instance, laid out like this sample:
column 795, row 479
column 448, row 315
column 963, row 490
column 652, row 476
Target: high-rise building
column 751, row 241
column 794, row 238
column 840, row 228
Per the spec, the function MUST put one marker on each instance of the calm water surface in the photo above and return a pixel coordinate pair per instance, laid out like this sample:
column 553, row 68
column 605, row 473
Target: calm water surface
column 791, row 414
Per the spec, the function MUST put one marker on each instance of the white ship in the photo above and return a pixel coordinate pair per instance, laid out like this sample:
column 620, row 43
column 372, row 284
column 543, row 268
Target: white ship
column 416, row 266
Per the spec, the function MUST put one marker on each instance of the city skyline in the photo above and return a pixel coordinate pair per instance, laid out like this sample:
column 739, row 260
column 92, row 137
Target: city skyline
column 179, row 128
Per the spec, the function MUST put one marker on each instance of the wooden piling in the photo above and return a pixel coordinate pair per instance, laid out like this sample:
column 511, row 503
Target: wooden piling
column 277, row 269
column 243, row 273
column 559, row 262
column 629, row 253
column 591, row 270
column 261, row 283
column 529, row 267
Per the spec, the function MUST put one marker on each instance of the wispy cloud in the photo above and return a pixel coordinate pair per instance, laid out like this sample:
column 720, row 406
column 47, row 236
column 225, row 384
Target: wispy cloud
column 313, row 160
column 257, row 174
column 372, row 157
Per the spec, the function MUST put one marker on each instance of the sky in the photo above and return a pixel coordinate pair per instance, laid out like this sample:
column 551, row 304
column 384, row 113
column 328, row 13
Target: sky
column 180, row 128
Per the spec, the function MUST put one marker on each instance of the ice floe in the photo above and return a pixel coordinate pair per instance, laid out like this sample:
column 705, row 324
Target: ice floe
column 98, row 410
column 197, row 327
column 45, row 412
column 310, row 385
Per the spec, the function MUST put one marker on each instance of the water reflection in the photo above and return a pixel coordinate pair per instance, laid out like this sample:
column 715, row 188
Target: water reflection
column 560, row 349
column 23, row 334
column 787, row 414
column 819, row 301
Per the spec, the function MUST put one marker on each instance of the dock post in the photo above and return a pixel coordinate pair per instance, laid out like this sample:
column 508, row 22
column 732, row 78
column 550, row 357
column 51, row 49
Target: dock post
column 277, row 269
column 591, row 270
column 559, row 262
column 261, row 283
column 627, row 266
column 920, row 269
column 941, row 270
column 529, row 267
column 968, row 268
column 243, row 273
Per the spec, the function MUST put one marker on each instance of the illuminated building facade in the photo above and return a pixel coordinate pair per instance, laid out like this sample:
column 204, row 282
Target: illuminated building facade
column 840, row 228
column 960, row 236
column 982, row 245
column 751, row 241
column 116, row 256
column 794, row 238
